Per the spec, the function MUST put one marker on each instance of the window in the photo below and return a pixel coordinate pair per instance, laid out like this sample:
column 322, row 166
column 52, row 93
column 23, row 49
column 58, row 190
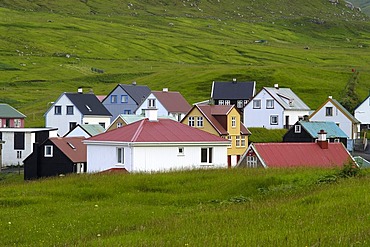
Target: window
column 252, row 161
column 102, row 124
column 120, row 155
column 124, row 98
column 69, row 109
column 297, row 129
column 119, row 125
column 200, row 121
column 269, row 104
column 257, row 104
column 336, row 140
column 48, row 151
column 221, row 102
column 237, row 141
column 72, row 125
column 227, row 102
column 233, row 122
column 242, row 141
column 151, row 103
column 19, row 140
column 231, row 141
column 80, row 168
column 274, row 120
column 191, row 121
column 128, row 112
column 19, row 154
column 245, row 102
column 113, row 99
column 57, row 110
column 239, row 104
column 206, row 155
column 328, row 111
column 17, row 123
column 181, row 151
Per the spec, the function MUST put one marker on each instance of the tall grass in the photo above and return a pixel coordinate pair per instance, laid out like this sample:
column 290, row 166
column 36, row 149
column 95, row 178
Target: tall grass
column 238, row 207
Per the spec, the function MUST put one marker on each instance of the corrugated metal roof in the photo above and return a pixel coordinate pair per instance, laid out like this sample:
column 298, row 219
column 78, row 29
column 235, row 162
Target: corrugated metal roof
column 131, row 118
column 163, row 130
column 287, row 98
column 174, row 102
column 302, row 154
column 93, row 129
column 233, row 90
column 72, row 147
column 330, row 128
column 7, row 111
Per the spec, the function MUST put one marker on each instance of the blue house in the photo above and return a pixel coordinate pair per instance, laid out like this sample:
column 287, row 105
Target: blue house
column 125, row 99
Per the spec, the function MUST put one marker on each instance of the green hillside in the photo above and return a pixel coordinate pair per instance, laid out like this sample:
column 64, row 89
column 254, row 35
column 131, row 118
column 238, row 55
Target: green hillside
column 49, row 47
column 363, row 4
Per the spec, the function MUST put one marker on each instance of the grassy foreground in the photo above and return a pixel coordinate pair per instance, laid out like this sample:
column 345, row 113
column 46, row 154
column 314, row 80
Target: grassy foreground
column 237, row 207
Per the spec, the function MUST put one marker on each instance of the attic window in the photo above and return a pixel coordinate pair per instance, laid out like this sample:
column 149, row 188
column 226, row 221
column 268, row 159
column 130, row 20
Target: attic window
column 48, row 151
column 71, row 145
column 297, row 129
column 88, row 108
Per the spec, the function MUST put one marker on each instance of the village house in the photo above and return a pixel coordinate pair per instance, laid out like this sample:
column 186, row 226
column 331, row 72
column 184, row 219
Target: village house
column 153, row 145
column 85, row 130
column 294, row 154
column 71, row 109
column 10, row 117
column 362, row 113
column 56, row 156
column 125, row 99
column 274, row 108
column 168, row 104
column 223, row 121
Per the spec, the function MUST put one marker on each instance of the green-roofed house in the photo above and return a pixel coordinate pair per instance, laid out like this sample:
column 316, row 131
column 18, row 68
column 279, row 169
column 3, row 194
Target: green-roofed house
column 126, row 119
column 85, row 130
column 10, row 117
column 332, row 111
column 307, row 131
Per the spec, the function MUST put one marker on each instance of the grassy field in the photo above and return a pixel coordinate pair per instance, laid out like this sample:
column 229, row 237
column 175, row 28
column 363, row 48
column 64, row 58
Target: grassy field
column 47, row 48
column 239, row 207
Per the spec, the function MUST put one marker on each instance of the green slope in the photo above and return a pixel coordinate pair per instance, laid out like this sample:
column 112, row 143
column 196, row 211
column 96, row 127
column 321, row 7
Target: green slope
column 48, row 47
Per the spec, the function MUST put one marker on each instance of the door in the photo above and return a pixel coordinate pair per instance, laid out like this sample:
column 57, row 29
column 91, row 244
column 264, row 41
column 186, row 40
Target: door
column 287, row 122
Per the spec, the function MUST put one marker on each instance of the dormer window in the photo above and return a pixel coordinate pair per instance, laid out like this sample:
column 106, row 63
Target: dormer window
column 297, row 128
column 151, row 103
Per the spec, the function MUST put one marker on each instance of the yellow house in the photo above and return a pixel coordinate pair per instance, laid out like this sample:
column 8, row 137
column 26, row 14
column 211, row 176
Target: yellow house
column 224, row 121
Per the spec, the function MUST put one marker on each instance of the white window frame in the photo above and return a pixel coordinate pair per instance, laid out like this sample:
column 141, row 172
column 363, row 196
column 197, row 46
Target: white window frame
column 239, row 104
column 151, row 103
column 230, row 138
column 200, row 122
column 252, row 161
column 124, row 98
column 19, row 154
column 272, row 117
column 17, row 123
column 237, row 141
column 297, row 128
column 191, row 121
column 181, row 151
column 246, row 102
column 336, row 140
column 233, row 122
column 119, row 125
column 242, row 141
column 113, row 99
column 57, row 112
column 121, row 156
column 221, row 102
column 227, row 102
column 209, row 156
column 48, row 148
column 68, row 107
column 256, row 104
column 329, row 112
column 269, row 104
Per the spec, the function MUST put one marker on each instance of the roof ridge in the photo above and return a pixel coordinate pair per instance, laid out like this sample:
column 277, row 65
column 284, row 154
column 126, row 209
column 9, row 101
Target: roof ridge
column 138, row 131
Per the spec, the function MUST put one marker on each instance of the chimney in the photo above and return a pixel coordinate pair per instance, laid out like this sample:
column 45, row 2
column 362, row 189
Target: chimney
column 305, row 118
column 321, row 140
column 276, row 86
column 134, row 83
column 151, row 114
column 79, row 90
column 234, row 80
column 165, row 89
column 330, row 97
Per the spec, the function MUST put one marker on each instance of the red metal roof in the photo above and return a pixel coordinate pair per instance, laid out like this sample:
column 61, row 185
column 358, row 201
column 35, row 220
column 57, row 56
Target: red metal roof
column 163, row 130
column 172, row 101
column 302, row 154
column 72, row 147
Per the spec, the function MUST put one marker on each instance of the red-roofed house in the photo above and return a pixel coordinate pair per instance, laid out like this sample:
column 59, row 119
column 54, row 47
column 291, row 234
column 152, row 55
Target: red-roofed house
column 155, row 144
column 56, row 156
column 224, row 121
column 168, row 104
column 279, row 155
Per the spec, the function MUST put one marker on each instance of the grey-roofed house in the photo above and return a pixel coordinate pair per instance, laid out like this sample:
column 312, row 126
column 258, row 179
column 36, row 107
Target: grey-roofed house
column 71, row 109
column 274, row 108
column 125, row 99
column 236, row 93
column 85, row 130
column 10, row 117
column 307, row 131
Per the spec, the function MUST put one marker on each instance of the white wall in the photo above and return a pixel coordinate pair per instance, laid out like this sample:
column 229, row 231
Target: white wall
column 62, row 121
column 161, row 110
column 96, row 120
column 295, row 116
column 362, row 112
column 78, row 132
column 9, row 155
column 147, row 159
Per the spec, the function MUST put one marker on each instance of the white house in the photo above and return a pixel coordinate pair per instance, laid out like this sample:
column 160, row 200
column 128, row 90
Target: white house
column 332, row 111
column 71, row 109
column 168, row 104
column 362, row 113
column 17, row 143
column 274, row 108
column 85, row 130
column 155, row 144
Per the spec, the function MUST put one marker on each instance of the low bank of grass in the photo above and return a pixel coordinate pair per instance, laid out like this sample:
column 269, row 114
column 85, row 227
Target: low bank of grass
column 239, row 207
